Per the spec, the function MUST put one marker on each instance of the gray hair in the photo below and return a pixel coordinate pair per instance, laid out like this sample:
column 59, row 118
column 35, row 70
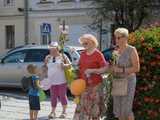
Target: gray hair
column 123, row 31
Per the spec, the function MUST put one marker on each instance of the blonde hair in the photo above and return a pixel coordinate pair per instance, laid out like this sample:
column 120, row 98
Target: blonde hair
column 31, row 68
column 89, row 37
column 123, row 31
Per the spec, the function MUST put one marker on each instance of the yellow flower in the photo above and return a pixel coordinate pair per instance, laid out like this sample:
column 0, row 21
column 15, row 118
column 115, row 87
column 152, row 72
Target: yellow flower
column 132, row 38
column 77, row 100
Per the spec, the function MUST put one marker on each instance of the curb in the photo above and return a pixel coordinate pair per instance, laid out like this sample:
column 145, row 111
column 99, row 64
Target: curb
column 3, row 94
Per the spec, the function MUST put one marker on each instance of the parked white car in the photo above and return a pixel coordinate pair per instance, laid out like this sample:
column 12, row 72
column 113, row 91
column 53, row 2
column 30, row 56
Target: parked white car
column 13, row 64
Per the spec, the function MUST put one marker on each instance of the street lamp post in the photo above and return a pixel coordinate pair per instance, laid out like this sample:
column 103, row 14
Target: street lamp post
column 26, row 32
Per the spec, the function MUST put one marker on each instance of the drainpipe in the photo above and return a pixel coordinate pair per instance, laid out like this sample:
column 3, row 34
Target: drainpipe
column 26, row 32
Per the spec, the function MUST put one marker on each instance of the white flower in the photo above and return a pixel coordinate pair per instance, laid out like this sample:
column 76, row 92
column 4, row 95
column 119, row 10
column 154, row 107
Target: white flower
column 115, row 56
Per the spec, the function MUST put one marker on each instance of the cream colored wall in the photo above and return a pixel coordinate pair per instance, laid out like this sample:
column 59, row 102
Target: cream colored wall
column 11, row 10
column 34, row 28
column 68, row 11
column 35, row 22
column 19, row 31
column 9, row 15
column 34, row 4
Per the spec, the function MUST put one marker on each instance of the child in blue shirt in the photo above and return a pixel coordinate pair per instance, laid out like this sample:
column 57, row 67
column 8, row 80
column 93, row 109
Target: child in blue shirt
column 34, row 102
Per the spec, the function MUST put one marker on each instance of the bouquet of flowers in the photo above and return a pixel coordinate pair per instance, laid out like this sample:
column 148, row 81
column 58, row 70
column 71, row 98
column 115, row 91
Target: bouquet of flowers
column 69, row 72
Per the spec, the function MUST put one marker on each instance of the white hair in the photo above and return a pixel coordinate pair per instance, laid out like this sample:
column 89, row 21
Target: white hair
column 123, row 31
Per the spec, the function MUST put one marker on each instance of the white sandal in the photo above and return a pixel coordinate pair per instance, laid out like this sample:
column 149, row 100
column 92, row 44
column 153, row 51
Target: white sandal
column 51, row 115
column 63, row 115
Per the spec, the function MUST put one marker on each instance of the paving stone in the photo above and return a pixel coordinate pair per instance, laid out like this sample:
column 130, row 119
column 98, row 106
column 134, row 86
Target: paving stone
column 15, row 108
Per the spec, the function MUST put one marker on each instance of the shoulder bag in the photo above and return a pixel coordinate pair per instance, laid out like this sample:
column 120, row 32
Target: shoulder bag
column 119, row 87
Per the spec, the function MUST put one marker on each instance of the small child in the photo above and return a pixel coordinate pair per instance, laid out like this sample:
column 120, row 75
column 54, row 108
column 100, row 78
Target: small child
column 34, row 102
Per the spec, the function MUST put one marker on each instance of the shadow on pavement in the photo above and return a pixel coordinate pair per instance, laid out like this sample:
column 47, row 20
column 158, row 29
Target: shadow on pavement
column 18, row 93
column 40, row 118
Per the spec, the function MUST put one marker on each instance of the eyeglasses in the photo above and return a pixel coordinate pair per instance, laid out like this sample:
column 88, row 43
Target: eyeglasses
column 119, row 37
column 84, row 43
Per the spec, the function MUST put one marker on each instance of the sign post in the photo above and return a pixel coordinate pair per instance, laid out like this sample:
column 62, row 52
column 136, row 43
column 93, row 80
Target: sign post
column 46, row 30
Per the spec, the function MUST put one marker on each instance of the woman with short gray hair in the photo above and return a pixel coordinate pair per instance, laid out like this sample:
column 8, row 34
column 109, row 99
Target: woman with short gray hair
column 127, row 66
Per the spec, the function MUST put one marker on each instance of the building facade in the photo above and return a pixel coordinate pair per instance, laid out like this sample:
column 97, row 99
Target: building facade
column 37, row 21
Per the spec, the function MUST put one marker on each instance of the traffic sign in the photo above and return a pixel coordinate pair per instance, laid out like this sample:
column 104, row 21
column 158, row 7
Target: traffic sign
column 46, row 28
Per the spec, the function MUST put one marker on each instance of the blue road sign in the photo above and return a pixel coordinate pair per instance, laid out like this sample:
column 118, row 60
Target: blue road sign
column 46, row 28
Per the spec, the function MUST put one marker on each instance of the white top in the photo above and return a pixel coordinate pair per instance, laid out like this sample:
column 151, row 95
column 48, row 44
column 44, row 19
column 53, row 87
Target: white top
column 56, row 74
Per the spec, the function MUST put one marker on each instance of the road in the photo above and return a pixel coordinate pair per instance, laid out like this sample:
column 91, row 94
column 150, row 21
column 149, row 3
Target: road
column 15, row 106
column 12, row 91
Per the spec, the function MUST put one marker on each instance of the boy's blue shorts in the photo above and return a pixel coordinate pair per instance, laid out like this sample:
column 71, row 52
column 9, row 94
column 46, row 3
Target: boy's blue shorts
column 34, row 102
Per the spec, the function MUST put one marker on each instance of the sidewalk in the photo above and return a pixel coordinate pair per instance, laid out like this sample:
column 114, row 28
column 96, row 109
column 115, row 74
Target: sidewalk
column 16, row 108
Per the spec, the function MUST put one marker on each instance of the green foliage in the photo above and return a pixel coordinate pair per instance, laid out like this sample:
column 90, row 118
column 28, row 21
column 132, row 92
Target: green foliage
column 147, row 98
column 124, row 13
column 108, row 100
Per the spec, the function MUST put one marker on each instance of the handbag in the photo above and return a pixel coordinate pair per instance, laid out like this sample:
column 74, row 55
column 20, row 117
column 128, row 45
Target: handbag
column 42, row 95
column 69, row 72
column 69, row 75
column 119, row 87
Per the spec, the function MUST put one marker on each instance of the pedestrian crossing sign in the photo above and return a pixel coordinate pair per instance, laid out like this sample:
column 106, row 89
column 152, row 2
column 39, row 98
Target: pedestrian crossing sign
column 46, row 28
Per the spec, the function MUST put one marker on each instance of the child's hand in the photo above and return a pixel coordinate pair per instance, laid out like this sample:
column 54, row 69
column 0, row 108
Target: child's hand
column 41, row 87
column 38, row 84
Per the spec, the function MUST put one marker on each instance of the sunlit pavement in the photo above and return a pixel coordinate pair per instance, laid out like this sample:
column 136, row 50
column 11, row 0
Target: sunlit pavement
column 15, row 107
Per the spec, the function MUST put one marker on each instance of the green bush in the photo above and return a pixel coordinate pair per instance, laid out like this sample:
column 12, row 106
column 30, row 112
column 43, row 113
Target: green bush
column 147, row 97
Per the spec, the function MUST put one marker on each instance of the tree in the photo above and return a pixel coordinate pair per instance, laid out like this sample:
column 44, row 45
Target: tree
column 123, row 13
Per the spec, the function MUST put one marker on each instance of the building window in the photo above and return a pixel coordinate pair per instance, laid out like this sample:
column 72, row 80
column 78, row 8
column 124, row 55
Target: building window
column 10, row 36
column 8, row 2
column 43, row 0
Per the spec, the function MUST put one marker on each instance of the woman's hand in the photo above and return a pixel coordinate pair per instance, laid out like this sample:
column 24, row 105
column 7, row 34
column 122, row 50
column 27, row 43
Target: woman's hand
column 88, row 72
column 47, row 59
column 65, row 66
column 96, row 71
column 62, row 65
column 116, row 69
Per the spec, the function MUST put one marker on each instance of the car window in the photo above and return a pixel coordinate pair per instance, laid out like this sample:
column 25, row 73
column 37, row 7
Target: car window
column 15, row 57
column 36, row 55
column 68, row 55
